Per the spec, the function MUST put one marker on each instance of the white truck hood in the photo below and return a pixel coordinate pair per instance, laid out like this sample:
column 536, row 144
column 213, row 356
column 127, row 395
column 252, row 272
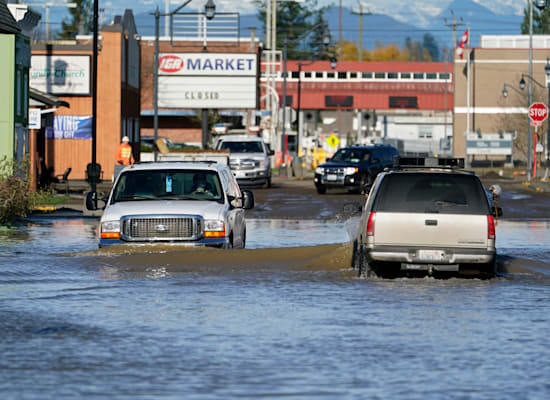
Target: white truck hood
column 206, row 209
column 254, row 156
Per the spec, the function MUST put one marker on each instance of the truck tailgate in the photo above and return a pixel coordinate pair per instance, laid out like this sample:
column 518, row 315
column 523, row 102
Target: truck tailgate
column 431, row 230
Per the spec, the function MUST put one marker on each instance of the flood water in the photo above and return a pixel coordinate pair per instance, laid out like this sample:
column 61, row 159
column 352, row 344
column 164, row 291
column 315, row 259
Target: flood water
column 285, row 318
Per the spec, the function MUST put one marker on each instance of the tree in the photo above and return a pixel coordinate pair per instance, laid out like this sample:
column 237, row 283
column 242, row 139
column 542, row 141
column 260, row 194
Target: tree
column 429, row 43
column 319, row 50
column 294, row 22
column 80, row 21
column 541, row 21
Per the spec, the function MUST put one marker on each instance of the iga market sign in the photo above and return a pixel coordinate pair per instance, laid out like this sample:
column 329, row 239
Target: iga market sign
column 67, row 75
column 70, row 127
column 208, row 80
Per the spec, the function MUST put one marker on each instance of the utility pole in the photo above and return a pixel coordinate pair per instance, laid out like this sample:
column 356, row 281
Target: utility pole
column 47, row 8
column 454, row 26
column 340, row 31
column 360, row 13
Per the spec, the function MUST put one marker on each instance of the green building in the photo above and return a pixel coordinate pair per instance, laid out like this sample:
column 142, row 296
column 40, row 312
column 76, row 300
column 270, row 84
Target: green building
column 14, row 86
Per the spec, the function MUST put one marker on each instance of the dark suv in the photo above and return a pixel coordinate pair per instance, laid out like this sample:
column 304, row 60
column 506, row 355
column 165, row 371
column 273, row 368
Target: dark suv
column 354, row 168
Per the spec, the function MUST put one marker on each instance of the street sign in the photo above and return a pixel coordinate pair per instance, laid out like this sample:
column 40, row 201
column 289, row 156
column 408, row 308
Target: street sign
column 538, row 112
column 333, row 141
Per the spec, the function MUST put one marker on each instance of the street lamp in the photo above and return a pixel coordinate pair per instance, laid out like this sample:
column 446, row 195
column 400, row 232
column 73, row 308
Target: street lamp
column 533, row 80
column 210, row 9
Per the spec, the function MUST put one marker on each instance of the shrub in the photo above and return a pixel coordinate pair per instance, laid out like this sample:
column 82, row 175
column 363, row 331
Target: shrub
column 16, row 199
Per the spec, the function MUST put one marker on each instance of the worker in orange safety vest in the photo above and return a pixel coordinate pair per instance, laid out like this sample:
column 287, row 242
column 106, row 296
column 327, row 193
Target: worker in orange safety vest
column 124, row 153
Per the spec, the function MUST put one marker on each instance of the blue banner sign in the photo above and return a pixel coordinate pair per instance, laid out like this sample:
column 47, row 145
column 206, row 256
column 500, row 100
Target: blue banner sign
column 70, row 127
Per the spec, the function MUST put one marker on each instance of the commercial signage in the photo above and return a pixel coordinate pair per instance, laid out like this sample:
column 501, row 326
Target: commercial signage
column 208, row 80
column 338, row 101
column 67, row 75
column 35, row 116
column 403, row 102
column 70, row 127
column 489, row 144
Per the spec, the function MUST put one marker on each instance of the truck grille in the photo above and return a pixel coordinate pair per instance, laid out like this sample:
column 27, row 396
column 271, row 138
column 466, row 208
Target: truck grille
column 161, row 228
column 243, row 164
column 333, row 175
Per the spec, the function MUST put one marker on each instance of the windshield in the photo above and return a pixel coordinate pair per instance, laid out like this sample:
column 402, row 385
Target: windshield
column 168, row 185
column 351, row 155
column 242, row 147
column 432, row 193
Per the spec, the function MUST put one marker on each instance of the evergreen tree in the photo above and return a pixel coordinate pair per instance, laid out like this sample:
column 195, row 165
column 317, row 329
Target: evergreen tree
column 294, row 22
column 80, row 21
column 429, row 43
column 541, row 21
column 320, row 50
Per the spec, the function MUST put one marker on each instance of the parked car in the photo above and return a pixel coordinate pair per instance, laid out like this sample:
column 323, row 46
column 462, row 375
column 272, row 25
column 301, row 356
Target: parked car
column 427, row 219
column 188, row 203
column 354, row 168
column 248, row 159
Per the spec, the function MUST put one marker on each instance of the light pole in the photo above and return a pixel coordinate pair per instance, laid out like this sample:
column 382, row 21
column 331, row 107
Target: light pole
column 531, row 81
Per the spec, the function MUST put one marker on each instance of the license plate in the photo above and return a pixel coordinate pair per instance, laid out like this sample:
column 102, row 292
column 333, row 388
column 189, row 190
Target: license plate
column 332, row 178
column 414, row 267
column 430, row 255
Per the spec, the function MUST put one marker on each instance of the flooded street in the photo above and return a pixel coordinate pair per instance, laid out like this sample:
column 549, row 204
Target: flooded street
column 266, row 322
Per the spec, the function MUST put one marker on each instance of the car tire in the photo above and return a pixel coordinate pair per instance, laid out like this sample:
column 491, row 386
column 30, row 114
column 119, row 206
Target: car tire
column 354, row 256
column 268, row 183
column 321, row 189
column 489, row 270
column 244, row 239
column 364, row 267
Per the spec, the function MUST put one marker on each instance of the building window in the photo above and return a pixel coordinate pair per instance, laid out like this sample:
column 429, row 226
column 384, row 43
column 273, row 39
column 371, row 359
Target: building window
column 367, row 75
column 318, row 74
column 405, row 75
column 342, row 75
column 418, row 75
column 331, row 75
column 431, row 75
column 294, row 74
column 307, row 74
column 379, row 75
column 392, row 75
column 425, row 132
column 444, row 75
column 353, row 75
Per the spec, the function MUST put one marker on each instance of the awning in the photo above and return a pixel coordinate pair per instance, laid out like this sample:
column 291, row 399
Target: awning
column 45, row 99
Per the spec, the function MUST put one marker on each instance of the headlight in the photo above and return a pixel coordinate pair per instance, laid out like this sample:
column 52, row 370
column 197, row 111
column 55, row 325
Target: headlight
column 214, row 228
column 261, row 163
column 319, row 170
column 110, row 230
column 350, row 170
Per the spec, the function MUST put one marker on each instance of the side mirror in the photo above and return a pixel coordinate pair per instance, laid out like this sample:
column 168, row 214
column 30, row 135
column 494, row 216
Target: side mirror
column 327, row 159
column 248, row 199
column 270, row 153
column 91, row 201
column 498, row 212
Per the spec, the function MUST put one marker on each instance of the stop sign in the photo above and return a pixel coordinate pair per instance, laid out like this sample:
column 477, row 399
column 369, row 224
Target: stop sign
column 538, row 112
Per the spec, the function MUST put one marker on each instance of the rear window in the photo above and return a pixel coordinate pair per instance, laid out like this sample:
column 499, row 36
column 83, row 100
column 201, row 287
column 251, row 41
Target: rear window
column 431, row 193
column 242, row 147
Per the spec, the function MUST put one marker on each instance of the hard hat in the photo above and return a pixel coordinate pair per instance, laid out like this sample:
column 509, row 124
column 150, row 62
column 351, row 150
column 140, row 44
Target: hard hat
column 125, row 139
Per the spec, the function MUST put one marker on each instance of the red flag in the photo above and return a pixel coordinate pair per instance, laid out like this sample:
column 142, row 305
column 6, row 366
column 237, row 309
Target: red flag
column 463, row 41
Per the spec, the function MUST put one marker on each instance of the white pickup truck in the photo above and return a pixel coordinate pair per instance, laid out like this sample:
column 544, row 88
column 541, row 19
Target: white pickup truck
column 186, row 203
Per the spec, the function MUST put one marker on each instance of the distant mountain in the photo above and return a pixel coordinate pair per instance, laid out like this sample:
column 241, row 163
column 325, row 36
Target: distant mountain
column 385, row 29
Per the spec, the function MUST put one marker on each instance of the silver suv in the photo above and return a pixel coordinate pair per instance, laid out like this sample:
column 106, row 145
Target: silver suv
column 186, row 203
column 425, row 219
column 249, row 158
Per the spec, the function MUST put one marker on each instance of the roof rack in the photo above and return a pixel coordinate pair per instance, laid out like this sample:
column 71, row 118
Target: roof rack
column 429, row 162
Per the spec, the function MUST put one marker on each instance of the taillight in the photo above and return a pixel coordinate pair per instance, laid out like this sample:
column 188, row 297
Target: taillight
column 491, row 227
column 370, row 224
